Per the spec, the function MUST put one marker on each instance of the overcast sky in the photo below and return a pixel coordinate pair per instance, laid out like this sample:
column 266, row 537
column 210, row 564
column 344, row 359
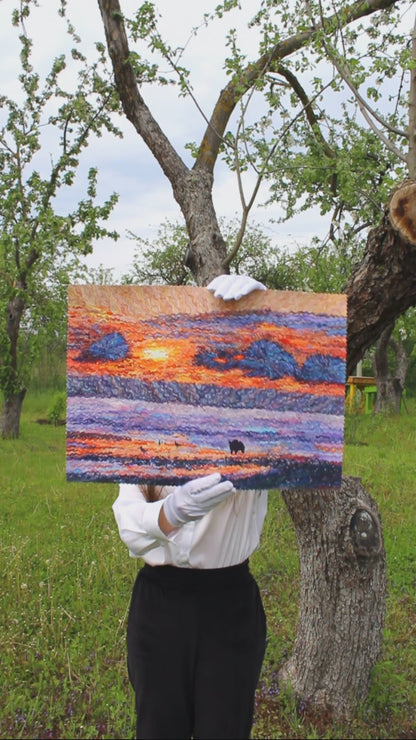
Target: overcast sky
column 126, row 166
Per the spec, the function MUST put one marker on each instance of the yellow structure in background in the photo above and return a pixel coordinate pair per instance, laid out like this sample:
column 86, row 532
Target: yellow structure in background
column 361, row 393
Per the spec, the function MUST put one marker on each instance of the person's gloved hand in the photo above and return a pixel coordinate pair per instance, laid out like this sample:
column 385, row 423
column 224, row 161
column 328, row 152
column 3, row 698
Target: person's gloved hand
column 230, row 287
column 195, row 498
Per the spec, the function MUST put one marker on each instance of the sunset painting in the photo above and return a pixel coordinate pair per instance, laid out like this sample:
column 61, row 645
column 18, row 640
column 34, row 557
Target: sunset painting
column 166, row 384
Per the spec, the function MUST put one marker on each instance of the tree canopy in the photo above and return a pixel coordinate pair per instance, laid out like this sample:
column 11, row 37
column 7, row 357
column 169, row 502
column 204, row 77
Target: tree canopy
column 305, row 113
column 41, row 245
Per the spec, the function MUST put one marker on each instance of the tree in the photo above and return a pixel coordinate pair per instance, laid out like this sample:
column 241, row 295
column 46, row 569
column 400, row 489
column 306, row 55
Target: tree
column 40, row 249
column 393, row 360
column 100, row 275
column 365, row 172
column 339, row 532
column 389, row 386
column 320, row 267
column 161, row 261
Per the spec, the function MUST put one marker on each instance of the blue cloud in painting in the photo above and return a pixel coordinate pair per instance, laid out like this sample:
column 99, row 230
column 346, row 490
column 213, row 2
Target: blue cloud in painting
column 269, row 360
column 110, row 347
column 263, row 358
column 323, row 368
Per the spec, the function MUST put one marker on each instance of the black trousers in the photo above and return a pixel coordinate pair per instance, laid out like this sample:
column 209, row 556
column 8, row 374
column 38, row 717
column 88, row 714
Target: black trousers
column 196, row 641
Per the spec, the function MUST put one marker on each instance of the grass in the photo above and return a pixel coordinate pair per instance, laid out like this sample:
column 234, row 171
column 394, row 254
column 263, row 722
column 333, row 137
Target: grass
column 66, row 580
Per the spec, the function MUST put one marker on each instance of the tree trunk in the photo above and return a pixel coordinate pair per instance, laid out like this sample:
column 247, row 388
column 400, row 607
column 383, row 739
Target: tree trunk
column 389, row 396
column 384, row 284
column 10, row 415
column 13, row 392
column 192, row 188
column 342, row 596
column 389, row 385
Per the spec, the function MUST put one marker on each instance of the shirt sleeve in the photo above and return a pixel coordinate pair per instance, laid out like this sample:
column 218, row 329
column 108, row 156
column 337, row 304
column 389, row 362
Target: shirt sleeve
column 137, row 520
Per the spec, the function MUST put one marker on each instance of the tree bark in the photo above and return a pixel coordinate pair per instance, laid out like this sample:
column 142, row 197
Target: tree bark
column 192, row 188
column 384, row 284
column 389, row 396
column 342, row 596
column 13, row 395
column 10, row 415
column 389, row 385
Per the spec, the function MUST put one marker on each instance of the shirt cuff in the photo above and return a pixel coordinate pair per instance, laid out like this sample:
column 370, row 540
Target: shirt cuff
column 151, row 521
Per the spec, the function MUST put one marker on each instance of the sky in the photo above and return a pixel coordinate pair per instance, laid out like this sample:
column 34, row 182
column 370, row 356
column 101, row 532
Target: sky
column 126, row 166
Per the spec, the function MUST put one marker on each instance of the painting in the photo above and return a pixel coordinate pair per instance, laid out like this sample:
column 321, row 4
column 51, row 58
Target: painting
column 165, row 384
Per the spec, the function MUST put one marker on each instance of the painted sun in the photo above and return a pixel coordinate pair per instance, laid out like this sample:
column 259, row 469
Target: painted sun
column 156, row 353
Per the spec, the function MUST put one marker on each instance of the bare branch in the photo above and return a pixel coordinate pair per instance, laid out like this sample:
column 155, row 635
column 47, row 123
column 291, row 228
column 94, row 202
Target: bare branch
column 133, row 104
column 232, row 93
column 367, row 111
column 306, row 108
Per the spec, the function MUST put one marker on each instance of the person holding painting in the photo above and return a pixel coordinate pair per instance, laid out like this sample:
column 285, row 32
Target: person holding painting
column 196, row 631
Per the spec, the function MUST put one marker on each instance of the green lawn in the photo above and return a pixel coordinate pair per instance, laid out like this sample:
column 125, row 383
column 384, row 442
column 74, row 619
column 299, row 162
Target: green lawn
column 66, row 582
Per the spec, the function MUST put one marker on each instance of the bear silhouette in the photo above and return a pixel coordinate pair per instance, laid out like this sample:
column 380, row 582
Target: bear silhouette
column 236, row 446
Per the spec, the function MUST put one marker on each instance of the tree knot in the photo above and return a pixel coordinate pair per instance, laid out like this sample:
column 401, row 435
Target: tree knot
column 365, row 532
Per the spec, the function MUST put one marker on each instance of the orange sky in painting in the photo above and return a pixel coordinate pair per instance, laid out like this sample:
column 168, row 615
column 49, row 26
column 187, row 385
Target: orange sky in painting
column 152, row 359
column 160, row 357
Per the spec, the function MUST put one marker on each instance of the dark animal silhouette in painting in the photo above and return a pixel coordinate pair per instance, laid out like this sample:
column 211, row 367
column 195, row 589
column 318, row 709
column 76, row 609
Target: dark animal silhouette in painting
column 236, row 446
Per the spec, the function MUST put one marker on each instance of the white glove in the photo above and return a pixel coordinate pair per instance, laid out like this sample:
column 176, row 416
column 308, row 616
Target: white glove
column 195, row 498
column 228, row 287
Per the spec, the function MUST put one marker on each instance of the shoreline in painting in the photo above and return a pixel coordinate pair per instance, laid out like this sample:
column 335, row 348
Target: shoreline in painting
column 285, row 474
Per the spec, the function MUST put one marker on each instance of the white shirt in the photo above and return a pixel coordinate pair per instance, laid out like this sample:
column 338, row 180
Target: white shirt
column 226, row 535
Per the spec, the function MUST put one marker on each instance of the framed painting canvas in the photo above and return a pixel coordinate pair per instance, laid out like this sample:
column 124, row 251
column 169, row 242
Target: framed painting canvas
column 166, row 384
